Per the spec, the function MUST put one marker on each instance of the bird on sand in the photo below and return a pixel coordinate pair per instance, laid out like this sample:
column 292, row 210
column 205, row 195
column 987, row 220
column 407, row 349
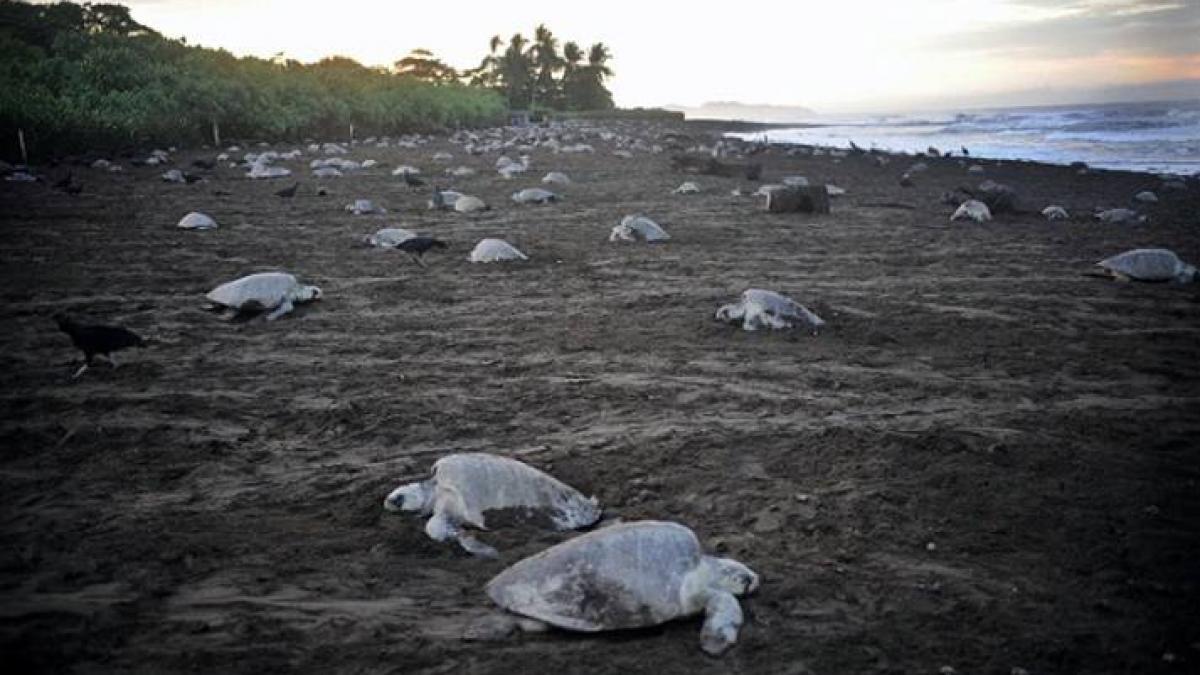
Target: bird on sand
column 288, row 193
column 411, row 180
column 95, row 340
column 965, row 152
column 416, row 247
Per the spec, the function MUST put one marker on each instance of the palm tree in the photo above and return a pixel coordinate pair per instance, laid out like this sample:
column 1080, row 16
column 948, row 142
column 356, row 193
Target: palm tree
column 598, row 57
column 486, row 74
column 572, row 56
column 545, row 58
column 593, row 95
column 515, row 68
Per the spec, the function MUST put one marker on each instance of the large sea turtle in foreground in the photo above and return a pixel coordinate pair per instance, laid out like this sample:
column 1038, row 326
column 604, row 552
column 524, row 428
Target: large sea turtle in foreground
column 768, row 309
column 465, row 487
column 1148, row 264
column 629, row 575
column 275, row 291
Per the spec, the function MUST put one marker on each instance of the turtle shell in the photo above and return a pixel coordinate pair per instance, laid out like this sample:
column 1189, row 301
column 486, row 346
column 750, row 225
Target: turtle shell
column 495, row 250
column 624, row 576
column 1146, row 264
column 481, row 483
column 265, row 290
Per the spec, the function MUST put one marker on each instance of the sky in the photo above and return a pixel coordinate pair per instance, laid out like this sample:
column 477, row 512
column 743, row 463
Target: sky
column 830, row 55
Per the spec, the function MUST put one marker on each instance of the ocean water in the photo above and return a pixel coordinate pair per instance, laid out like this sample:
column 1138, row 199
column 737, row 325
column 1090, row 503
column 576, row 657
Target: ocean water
column 1160, row 137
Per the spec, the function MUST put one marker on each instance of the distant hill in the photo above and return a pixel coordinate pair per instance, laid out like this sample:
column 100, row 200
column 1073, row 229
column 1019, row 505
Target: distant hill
column 751, row 112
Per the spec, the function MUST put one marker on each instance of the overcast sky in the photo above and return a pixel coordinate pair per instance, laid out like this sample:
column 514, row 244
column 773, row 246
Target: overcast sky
column 831, row 55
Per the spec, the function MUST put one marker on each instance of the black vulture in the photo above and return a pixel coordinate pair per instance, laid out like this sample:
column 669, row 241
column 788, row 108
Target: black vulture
column 417, row 246
column 100, row 340
column 288, row 193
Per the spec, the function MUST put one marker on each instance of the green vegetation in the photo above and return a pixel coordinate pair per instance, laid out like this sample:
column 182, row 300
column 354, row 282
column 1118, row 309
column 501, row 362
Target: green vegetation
column 536, row 75
column 87, row 77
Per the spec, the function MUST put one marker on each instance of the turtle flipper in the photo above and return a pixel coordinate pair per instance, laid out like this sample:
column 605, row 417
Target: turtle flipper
column 722, row 620
column 283, row 308
column 440, row 528
column 475, row 547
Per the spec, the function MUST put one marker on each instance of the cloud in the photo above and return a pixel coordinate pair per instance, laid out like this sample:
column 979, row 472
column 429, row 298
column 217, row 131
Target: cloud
column 1079, row 28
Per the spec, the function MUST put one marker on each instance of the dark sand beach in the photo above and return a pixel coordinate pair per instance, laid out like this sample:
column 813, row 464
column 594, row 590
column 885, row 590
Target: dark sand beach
column 986, row 461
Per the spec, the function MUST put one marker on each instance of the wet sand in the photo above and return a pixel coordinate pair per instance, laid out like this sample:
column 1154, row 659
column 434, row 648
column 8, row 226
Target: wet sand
column 987, row 461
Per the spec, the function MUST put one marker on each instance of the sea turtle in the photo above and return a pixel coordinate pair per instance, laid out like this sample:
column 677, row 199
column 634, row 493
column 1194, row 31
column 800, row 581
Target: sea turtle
column 629, row 575
column 265, row 171
column 637, row 227
column 327, row 172
column 1148, row 264
column 1053, row 212
column 495, row 250
column 833, row 190
column 510, row 170
column 388, row 237
column 795, row 181
column 535, row 196
column 276, row 291
column 973, row 209
column 556, row 178
column 1119, row 216
column 469, row 204
column 1146, row 197
column 444, row 199
column 758, row 308
column 687, row 188
column 364, row 206
column 465, row 487
column 197, row 221
column 766, row 190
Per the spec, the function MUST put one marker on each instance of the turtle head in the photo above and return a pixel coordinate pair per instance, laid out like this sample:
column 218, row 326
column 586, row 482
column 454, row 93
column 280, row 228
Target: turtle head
column 308, row 293
column 409, row 497
column 730, row 575
column 732, row 312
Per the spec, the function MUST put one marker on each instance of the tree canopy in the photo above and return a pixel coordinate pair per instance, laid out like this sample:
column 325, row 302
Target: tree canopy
column 538, row 73
column 88, row 76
